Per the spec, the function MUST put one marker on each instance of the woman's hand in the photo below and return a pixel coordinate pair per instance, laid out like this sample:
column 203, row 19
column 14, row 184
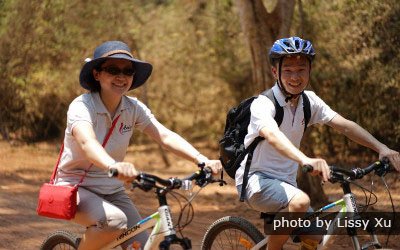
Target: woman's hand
column 215, row 165
column 126, row 171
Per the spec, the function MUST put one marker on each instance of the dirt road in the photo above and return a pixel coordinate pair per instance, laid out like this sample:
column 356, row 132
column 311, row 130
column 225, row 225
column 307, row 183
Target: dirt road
column 24, row 168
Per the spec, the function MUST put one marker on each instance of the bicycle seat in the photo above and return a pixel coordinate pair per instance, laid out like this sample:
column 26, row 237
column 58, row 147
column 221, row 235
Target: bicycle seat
column 268, row 217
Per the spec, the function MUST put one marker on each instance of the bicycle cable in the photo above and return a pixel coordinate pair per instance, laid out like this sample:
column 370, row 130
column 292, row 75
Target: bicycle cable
column 376, row 200
column 370, row 194
column 393, row 209
column 177, row 226
column 367, row 201
column 190, row 212
column 189, row 215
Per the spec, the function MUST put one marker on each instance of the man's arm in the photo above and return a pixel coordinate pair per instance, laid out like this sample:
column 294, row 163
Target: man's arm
column 284, row 146
column 356, row 133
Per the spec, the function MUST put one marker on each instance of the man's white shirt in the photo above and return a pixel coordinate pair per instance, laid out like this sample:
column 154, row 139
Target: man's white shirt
column 265, row 158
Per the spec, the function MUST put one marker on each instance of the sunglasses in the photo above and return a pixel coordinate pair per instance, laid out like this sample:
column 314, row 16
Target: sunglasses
column 113, row 70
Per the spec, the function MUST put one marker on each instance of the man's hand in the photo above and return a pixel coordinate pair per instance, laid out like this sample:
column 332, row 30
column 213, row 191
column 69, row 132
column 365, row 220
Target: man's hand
column 393, row 156
column 320, row 167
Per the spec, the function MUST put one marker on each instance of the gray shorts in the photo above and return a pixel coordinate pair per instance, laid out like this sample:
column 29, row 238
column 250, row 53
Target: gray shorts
column 108, row 212
column 268, row 195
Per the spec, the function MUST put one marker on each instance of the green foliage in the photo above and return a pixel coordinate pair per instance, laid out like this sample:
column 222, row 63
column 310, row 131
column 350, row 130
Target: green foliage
column 193, row 64
column 196, row 48
column 201, row 62
column 356, row 71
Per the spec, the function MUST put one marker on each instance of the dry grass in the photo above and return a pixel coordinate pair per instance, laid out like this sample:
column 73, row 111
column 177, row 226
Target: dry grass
column 23, row 168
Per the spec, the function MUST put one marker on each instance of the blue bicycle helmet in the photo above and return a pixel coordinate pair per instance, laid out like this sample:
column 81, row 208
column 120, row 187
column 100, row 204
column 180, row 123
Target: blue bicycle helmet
column 291, row 46
column 286, row 47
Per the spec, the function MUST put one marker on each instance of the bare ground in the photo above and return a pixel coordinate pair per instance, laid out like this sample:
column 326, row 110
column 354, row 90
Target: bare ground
column 23, row 168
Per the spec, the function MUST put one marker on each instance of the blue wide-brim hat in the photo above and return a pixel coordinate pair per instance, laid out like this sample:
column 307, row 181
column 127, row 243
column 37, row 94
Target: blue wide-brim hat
column 114, row 49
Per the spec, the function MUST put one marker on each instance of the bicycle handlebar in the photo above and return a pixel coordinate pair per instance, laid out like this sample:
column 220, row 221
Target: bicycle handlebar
column 202, row 176
column 381, row 168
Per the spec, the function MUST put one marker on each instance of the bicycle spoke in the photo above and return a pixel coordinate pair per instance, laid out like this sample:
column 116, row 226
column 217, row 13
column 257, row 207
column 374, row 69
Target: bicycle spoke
column 233, row 239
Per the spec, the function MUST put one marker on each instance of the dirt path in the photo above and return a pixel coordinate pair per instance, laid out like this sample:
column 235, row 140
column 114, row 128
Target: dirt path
column 24, row 168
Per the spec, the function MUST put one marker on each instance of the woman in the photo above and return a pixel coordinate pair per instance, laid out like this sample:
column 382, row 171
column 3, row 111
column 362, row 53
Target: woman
column 103, row 206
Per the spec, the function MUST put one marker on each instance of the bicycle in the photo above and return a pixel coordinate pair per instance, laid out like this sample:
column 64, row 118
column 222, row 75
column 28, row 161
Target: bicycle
column 237, row 233
column 164, row 232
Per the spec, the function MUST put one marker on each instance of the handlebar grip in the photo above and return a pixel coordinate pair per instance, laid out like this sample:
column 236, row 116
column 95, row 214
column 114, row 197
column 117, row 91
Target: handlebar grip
column 307, row 168
column 207, row 170
column 112, row 172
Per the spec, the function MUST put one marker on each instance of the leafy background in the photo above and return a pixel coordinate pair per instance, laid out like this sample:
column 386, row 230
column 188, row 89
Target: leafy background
column 202, row 64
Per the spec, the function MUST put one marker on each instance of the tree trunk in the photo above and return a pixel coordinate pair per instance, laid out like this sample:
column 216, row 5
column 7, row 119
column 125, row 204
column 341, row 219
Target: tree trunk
column 261, row 28
column 311, row 185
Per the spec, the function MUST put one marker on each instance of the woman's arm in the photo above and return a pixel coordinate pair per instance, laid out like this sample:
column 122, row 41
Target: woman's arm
column 95, row 153
column 173, row 142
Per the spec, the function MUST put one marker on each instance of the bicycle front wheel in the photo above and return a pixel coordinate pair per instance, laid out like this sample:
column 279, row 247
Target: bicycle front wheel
column 61, row 240
column 231, row 233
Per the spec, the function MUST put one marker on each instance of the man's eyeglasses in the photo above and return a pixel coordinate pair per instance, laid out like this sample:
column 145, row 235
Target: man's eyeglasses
column 113, row 70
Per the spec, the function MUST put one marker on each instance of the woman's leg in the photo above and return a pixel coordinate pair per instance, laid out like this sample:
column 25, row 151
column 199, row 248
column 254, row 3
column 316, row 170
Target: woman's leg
column 104, row 221
column 123, row 202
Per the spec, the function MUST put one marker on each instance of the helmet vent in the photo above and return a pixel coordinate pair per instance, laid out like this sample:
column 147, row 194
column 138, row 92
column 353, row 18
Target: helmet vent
column 293, row 45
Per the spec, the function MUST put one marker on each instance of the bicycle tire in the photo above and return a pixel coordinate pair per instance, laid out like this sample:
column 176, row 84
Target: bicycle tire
column 231, row 233
column 61, row 240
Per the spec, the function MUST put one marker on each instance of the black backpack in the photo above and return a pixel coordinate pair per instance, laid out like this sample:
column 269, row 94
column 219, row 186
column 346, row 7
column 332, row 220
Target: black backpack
column 231, row 146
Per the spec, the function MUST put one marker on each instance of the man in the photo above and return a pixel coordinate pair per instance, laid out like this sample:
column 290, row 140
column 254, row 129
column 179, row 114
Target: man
column 272, row 180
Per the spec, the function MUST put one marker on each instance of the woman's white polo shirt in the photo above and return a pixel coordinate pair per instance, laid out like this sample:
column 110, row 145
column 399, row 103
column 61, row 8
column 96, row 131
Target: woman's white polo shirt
column 89, row 108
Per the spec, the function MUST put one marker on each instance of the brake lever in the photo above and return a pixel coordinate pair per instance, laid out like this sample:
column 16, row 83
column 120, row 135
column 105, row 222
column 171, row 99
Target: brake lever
column 142, row 186
column 204, row 178
column 221, row 182
column 384, row 169
column 336, row 177
column 146, row 184
column 134, row 185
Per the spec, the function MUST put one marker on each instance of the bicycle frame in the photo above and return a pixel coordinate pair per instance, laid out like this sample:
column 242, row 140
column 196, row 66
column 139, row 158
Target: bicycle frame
column 346, row 204
column 164, row 232
column 161, row 222
column 236, row 231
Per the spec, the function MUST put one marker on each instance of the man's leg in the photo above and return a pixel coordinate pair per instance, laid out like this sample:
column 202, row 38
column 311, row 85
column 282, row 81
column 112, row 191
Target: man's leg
column 298, row 204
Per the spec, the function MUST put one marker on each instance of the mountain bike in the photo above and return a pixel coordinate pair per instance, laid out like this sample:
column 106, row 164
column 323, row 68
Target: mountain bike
column 164, row 232
column 237, row 233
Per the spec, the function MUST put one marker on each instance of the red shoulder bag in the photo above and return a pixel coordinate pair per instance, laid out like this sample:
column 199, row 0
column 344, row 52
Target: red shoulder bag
column 60, row 202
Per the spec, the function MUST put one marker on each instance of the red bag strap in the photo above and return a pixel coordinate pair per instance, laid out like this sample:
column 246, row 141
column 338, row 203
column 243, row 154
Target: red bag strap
column 62, row 148
column 56, row 166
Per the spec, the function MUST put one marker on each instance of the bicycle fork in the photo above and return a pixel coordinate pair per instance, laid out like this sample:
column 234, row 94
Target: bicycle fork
column 167, row 226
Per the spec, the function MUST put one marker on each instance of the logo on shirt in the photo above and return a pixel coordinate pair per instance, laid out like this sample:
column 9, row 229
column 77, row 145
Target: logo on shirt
column 124, row 128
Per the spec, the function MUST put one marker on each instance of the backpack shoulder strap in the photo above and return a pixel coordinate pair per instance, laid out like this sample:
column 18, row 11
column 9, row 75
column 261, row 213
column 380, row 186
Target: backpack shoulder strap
column 306, row 110
column 250, row 149
column 278, row 109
